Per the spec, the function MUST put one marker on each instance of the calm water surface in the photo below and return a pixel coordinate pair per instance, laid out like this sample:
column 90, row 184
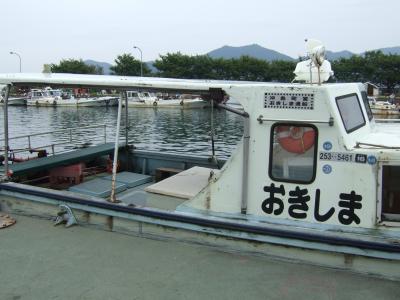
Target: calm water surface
column 167, row 130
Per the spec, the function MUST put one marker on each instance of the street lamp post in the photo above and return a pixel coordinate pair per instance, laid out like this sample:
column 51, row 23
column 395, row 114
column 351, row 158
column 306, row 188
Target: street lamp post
column 141, row 60
column 20, row 63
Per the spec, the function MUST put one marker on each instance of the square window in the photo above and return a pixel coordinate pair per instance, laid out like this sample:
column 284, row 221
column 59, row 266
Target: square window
column 293, row 153
column 350, row 112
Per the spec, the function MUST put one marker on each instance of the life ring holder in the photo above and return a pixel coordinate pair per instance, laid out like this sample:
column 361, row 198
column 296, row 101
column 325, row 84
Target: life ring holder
column 155, row 103
column 295, row 139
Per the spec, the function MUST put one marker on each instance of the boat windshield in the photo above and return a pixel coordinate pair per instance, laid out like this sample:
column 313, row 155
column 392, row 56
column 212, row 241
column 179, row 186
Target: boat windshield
column 350, row 112
column 366, row 105
column 55, row 93
column 37, row 94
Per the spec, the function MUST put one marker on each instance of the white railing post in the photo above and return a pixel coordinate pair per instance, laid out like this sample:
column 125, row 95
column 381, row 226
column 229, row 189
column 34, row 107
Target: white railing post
column 116, row 148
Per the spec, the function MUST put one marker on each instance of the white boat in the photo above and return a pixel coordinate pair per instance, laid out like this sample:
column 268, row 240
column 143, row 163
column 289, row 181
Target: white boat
column 14, row 101
column 103, row 101
column 315, row 178
column 53, row 97
column 383, row 107
column 45, row 97
column 145, row 99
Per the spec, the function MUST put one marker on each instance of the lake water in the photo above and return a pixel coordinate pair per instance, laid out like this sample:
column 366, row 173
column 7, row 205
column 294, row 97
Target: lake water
column 167, row 130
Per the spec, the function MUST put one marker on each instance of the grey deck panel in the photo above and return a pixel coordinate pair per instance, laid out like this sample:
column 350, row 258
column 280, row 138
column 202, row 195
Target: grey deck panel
column 131, row 179
column 98, row 187
column 57, row 160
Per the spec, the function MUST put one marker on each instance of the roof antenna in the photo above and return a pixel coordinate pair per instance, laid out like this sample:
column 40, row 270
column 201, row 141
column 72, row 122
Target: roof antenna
column 315, row 64
column 306, row 40
column 316, row 52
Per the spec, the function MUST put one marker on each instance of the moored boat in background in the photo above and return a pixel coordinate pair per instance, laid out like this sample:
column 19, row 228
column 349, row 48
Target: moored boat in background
column 45, row 97
column 102, row 101
column 383, row 107
column 55, row 97
column 146, row 100
column 15, row 101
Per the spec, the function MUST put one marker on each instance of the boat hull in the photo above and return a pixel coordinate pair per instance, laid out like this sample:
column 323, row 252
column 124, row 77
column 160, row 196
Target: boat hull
column 101, row 101
column 174, row 103
column 82, row 102
column 42, row 102
column 356, row 250
column 37, row 202
column 385, row 112
column 19, row 101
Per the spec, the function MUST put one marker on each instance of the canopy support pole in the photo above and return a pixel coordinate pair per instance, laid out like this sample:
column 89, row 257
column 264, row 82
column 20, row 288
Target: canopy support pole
column 126, row 118
column 212, row 131
column 6, row 168
column 116, row 148
column 245, row 175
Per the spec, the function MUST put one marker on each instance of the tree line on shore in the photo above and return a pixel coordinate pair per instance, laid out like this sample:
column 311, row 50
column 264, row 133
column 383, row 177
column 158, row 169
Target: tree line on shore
column 373, row 66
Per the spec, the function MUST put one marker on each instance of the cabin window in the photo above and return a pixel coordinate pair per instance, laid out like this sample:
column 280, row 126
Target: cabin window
column 366, row 105
column 293, row 153
column 350, row 112
column 390, row 201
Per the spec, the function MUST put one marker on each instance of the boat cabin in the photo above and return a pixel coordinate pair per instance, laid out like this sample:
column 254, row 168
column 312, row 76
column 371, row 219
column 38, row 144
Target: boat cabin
column 316, row 155
column 140, row 96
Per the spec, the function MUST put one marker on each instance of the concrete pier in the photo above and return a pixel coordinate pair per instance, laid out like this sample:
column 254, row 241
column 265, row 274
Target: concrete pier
column 40, row 261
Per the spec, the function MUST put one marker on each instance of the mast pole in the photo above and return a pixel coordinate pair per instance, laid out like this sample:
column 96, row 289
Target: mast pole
column 6, row 168
column 116, row 148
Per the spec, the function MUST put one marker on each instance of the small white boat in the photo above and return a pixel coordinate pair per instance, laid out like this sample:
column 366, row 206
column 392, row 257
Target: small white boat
column 145, row 99
column 16, row 101
column 46, row 97
column 383, row 107
column 51, row 97
column 89, row 102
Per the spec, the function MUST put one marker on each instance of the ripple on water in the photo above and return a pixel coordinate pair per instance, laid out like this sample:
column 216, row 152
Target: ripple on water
column 167, row 130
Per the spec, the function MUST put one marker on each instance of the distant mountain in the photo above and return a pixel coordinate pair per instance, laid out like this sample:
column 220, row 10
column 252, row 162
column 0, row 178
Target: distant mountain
column 347, row 54
column 150, row 65
column 390, row 50
column 330, row 55
column 104, row 65
column 250, row 50
column 254, row 50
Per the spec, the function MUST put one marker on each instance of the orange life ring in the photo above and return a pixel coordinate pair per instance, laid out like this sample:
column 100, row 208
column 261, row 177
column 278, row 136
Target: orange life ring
column 296, row 139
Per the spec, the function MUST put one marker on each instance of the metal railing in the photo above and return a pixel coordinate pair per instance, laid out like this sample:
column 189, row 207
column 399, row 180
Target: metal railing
column 71, row 139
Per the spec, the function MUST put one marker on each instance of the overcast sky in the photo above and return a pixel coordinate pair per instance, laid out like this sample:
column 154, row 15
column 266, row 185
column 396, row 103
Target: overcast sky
column 46, row 31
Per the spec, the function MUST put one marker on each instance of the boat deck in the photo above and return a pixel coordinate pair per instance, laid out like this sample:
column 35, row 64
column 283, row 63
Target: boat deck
column 133, row 188
column 40, row 261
